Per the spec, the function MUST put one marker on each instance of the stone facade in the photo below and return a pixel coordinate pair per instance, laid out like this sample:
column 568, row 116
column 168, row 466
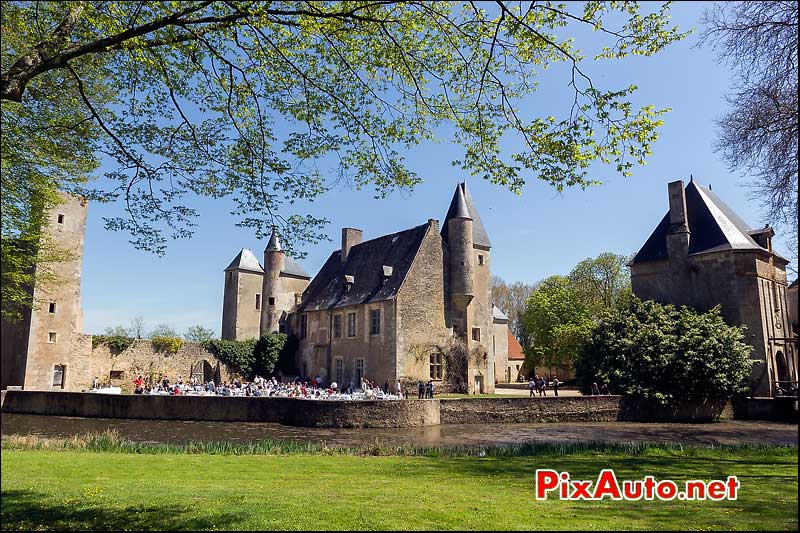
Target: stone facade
column 35, row 351
column 702, row 255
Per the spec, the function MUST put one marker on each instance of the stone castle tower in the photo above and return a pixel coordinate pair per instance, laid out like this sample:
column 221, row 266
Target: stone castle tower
column 258, row 300
column 36, row 349
column 702, row 254
column 469, row 313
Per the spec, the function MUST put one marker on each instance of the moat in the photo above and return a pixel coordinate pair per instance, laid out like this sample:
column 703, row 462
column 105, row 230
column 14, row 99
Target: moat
column 171, row 431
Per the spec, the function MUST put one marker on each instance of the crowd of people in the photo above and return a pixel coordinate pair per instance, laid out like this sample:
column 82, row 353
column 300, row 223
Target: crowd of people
column 313, row 389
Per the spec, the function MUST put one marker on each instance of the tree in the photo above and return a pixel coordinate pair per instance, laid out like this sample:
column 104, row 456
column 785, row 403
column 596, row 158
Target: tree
column 558, row 323
column 266, row 353
column 758, row 134
column 198, row 334
column 117, row 331
column 246, row 100
column 601, row 283
column 137, row 327
column 666, row 354
column 511, row 299
column 164, row 330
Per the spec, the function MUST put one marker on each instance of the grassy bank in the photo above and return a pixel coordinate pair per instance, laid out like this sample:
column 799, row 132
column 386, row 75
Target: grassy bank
column 62, row 485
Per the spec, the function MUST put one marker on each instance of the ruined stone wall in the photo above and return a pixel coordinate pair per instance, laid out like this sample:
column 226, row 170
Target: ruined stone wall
column 140, row 358
column 422, row 330
column 56, row 320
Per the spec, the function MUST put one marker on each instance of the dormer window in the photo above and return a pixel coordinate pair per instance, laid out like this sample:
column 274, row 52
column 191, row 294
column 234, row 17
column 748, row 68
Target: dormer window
column 386, row 272
column 348, row 283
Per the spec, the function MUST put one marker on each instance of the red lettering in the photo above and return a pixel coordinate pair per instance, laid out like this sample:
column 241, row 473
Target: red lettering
column 581, row 491
column 632, row 490
column 695, row 490
column 546, row 480
column 716, row 490
column 607, row 486
column 649, row 485
column 733, row 486
column 667, row 490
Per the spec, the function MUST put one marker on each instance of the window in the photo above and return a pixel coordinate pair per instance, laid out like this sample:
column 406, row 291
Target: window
column 271, row 301
column 359, row 371
column 51, row 336
column 52, row 307
column 339, row 371
column 258, row 301
column 60, row 219
column 351, row 324
column 59, row 373
column 337, row 326
column 480, row 259
column 375, row 321
column 476, row 334
column 117, row 374
column 303, row 326
column 436, row 366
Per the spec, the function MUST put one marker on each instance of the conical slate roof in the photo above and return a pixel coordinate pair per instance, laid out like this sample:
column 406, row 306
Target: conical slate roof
column 479, row 235
column 274, row 244
column 713, row 226
column 245, row 260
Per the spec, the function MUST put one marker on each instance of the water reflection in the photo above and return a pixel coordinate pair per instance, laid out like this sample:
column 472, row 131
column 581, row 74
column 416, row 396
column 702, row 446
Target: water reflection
column 178, row 432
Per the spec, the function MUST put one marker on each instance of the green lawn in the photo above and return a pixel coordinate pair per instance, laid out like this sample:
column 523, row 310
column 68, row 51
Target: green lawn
column 78, row 489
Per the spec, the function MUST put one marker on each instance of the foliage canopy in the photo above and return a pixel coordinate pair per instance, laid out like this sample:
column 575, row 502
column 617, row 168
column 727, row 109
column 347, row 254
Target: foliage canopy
column 667, row 354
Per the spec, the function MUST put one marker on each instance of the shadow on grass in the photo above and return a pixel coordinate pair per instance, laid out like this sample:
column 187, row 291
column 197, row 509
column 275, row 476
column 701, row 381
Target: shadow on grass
column 28, row 510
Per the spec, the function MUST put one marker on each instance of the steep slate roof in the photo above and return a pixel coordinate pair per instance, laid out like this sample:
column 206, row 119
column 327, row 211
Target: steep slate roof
column 365, row 263
column 515, row 352
column 713, row 226
column 497, row 314
column 479, row 235
column 293, row 268
column 245, row 260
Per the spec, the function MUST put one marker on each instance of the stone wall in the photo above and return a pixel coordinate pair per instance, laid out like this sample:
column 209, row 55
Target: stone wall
column 140, row 358
column 421, row 328
column 529, row 410
column 289, row 411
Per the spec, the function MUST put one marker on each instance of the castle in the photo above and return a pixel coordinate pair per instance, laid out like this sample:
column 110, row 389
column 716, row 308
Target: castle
column 386, row 309
column 702, row 254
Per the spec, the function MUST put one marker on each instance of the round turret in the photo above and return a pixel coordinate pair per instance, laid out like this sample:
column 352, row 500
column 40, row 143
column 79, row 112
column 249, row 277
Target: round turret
column 274, row 263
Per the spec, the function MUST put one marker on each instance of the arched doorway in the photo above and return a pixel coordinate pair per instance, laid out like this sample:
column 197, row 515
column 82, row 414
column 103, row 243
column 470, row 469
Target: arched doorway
column 203, row 372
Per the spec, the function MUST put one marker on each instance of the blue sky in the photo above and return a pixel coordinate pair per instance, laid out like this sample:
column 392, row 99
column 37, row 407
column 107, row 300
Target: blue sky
column 535, row 235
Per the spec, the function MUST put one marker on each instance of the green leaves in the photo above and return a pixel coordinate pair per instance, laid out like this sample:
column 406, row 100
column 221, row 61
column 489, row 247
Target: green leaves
column 656, row 351
column 262, row 104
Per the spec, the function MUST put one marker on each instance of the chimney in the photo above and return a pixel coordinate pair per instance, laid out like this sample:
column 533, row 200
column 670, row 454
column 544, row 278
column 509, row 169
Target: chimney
column 678, row 223
column 678, row 235
column 350, row 237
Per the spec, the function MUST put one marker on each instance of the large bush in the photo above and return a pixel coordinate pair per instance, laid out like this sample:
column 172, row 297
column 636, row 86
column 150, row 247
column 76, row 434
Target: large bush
column 236, row 355
column 662, row 353
column 255, row 356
